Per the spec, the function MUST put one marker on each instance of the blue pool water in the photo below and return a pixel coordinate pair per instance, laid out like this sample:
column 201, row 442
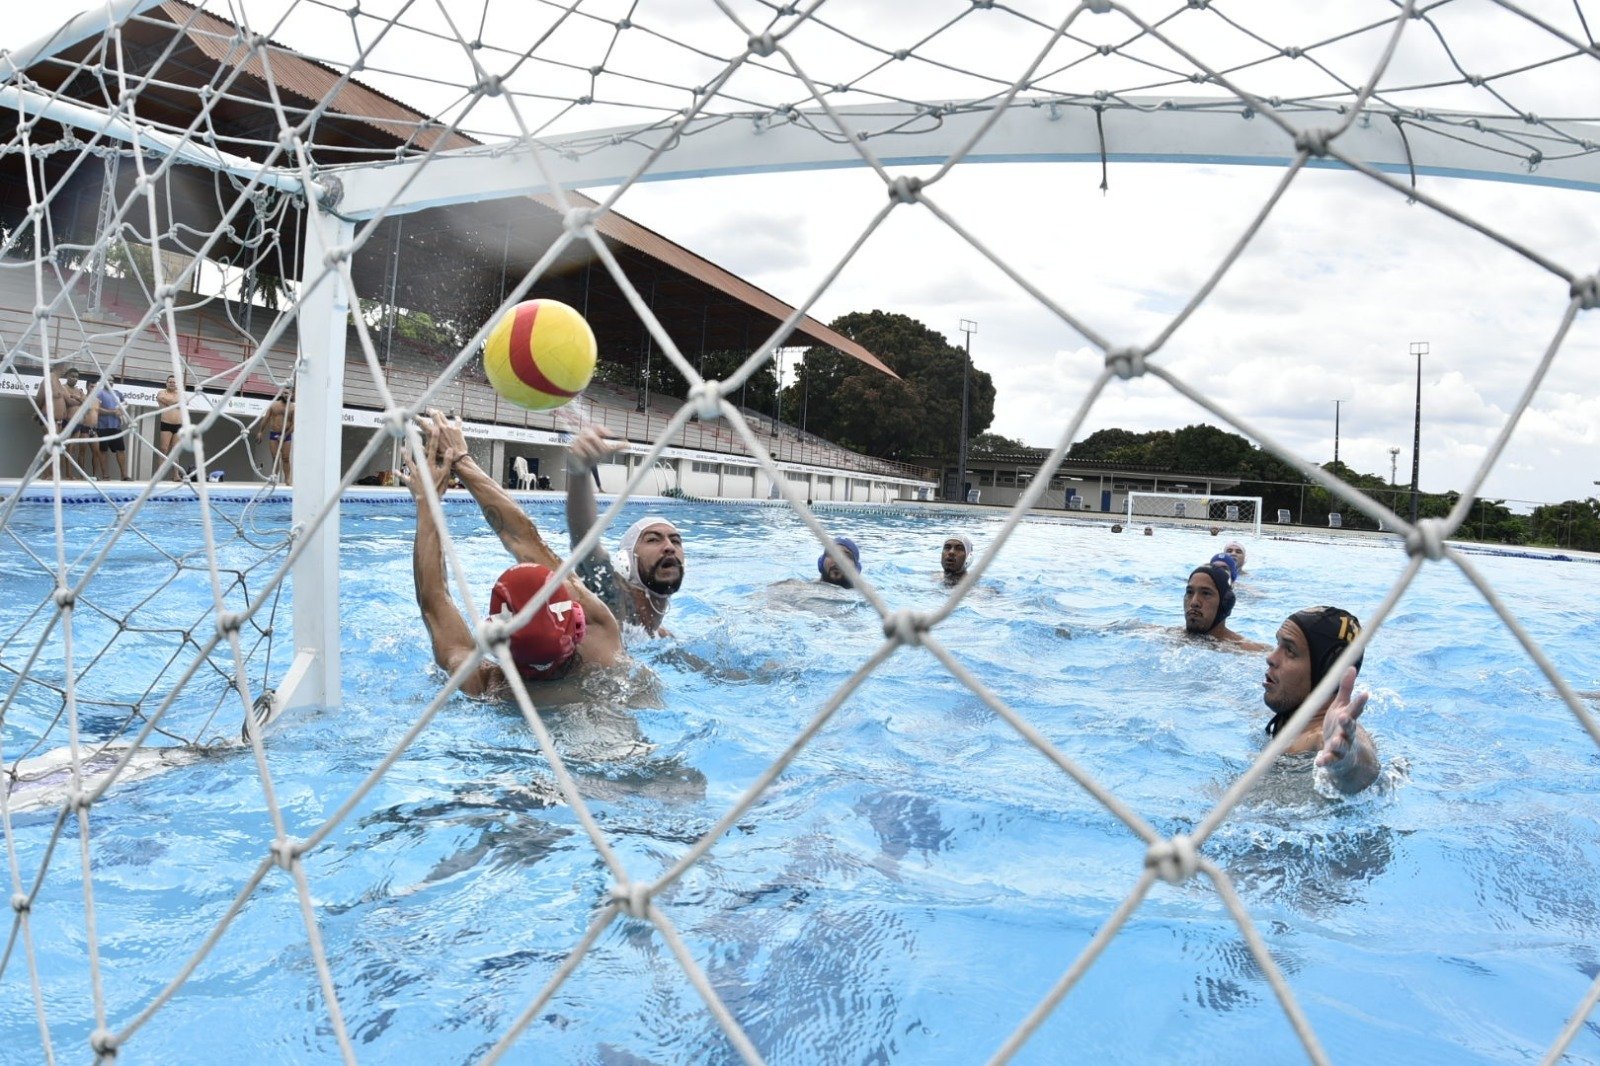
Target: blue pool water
column 910, row 887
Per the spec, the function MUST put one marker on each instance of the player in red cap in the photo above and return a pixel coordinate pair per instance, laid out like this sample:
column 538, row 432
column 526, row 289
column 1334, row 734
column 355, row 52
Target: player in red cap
column 571, row 629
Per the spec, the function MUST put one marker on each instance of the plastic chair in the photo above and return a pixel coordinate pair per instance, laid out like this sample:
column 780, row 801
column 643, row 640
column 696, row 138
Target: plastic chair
column 1335, row 520
column 1283, row 516
column 519, row 467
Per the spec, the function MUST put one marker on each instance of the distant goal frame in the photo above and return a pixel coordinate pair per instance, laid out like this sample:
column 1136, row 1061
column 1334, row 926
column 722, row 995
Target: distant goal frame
column 1207, row 501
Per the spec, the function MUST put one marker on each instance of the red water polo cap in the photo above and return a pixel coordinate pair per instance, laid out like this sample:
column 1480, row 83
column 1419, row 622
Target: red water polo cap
column 553, row 634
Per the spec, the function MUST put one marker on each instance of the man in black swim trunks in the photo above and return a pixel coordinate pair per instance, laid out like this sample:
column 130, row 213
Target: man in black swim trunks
column 278, row 421
column 1308, row 643
column 648, row 569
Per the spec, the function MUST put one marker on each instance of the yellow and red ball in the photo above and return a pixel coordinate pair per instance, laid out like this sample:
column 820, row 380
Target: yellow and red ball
column 540, row 354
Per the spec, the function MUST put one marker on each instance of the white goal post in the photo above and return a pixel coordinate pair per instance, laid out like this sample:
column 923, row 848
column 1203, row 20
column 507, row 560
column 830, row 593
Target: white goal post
column 1197, row 508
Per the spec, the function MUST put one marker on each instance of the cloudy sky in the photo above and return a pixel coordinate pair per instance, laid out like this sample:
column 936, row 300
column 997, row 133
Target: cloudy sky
column 1323, row 305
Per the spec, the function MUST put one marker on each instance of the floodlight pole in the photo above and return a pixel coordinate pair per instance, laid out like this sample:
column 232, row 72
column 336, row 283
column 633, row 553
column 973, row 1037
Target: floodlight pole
column 969, row 327
column 1336, row 404
column 805, row 393
column 1418, row 349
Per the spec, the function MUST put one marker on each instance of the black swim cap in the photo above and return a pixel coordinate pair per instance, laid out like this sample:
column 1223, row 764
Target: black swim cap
column 1221, row 578
column 1329, row 631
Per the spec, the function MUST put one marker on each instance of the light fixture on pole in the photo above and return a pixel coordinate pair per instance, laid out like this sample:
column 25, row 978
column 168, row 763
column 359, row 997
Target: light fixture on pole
column 969, row 327
column 1418, row 349
column 1336, row 404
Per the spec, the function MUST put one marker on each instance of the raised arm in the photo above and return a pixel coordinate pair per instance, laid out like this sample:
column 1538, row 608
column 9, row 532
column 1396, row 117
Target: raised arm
column 1348, row 752
column 589, row 447
column 48, row 402
column 520, row 536
column 504, row 515
column 448, row 630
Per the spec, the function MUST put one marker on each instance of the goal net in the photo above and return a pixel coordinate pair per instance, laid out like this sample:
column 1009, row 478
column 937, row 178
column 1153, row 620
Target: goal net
column 213, row 210
column 1228, row 512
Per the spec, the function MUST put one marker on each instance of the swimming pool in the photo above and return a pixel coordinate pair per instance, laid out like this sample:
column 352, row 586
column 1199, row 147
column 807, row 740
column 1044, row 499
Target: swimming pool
column 918, row 878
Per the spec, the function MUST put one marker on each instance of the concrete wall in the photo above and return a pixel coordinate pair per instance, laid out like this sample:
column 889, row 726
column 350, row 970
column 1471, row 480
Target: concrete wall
column 226, row 450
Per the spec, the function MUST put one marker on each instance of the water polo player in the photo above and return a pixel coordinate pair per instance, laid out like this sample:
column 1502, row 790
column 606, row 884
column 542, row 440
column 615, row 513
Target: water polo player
column 570, row 630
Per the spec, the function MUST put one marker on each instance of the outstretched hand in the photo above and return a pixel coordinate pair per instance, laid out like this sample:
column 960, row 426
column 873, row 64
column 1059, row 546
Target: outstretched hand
column 443, row 445
column 1339, row 722
column 448, row 433
column 591, row 447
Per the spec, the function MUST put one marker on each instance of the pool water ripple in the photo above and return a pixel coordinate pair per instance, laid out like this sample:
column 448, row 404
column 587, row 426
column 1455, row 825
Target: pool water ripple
column 912, row 883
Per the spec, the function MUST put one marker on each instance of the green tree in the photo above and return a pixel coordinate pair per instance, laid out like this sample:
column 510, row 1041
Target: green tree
column 995, row 444
column 1111, row 446
column 857, row 406
column 1569, row 524
column 756, row 393
column 131, row 260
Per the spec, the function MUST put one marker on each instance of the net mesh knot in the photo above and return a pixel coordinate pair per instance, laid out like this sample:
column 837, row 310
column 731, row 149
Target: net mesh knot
column 763, row 44
column 1426, row 539
column 489, row 86
column 577, row 220
column 494, row 633
column 1126, row 362
column 905, row 189
column 1587, row 292
column 103, row 1042
column 20, row 902
column 394, row 423
column 1099, row 7
column 64, row 598
column 52, row 441
column 706, row 400
column 228, row 623
column 1175, row 860
column 906, row 627
column 633, row 899
column 1313, row 142
column 285, row 852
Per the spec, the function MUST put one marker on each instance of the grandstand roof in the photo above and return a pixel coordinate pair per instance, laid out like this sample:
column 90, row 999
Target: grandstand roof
column 444, row 261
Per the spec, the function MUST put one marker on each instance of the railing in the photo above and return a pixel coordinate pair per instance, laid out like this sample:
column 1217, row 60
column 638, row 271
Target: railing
column 211, row 348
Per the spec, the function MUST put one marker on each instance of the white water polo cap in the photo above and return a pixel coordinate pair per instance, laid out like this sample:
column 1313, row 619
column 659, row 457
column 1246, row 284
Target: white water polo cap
column 627, row 565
